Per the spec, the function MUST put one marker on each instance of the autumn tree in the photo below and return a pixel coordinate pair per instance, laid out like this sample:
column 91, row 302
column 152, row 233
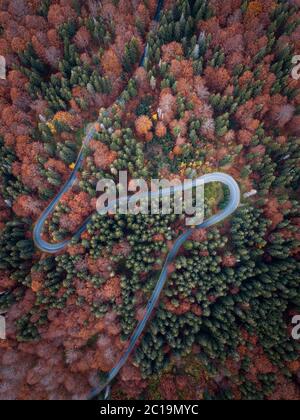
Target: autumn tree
column 82, row 38
column 160, row 129
column 111, row 64
column 143, row 125
column 217, row 78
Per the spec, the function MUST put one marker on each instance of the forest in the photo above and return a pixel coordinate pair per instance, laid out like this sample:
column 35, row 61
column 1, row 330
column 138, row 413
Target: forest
column 215, row 93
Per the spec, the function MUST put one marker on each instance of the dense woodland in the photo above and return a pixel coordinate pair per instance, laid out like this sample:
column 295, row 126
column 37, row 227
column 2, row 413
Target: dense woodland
column 215, row 94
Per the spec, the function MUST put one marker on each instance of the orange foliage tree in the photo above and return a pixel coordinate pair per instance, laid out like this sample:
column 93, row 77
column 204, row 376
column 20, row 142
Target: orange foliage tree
column 143, row 126
column 111, row 64
column 160, row 129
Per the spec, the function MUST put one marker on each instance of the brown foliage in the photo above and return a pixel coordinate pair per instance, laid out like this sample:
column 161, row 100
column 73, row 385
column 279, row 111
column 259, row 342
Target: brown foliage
column 217, row 79
column 103, row 156
column 172, row 51
column 111, row 64
column 58, row 14
column 82, row 38
column 26, row 206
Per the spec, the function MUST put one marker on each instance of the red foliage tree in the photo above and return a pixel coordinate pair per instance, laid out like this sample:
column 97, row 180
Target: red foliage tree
column 26, row 206
column 53, row 38
column 182, row 69
column 294, row 126
column 167, row 106
column 103, row 156
column 58, row 14
column 82, row 38
column 172, row 51
column 217, row 78
column 17, row 8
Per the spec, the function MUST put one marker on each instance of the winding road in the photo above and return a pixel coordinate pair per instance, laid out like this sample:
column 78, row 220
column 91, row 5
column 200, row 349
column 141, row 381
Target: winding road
column 44, row 246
